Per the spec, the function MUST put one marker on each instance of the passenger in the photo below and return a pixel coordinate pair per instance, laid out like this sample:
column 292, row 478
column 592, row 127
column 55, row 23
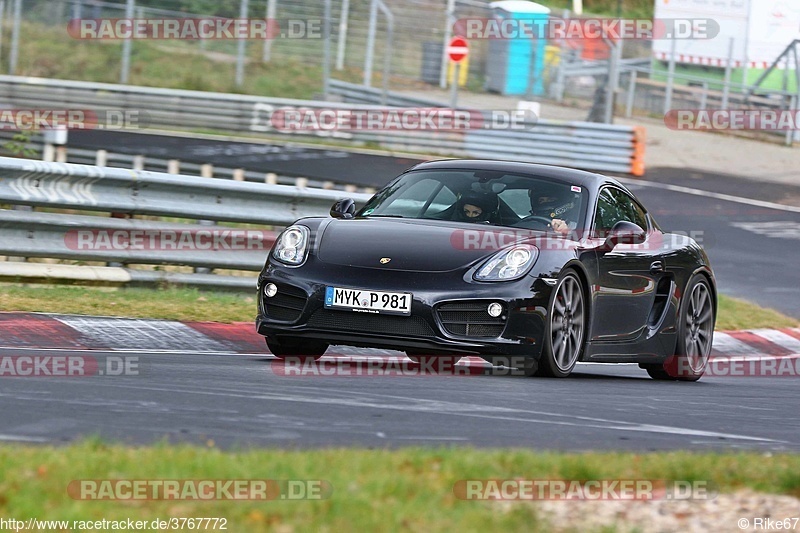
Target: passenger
column 476, row 207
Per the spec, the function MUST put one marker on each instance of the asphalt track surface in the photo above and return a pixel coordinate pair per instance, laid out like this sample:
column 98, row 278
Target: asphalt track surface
column 325, row 164
column 240, row 401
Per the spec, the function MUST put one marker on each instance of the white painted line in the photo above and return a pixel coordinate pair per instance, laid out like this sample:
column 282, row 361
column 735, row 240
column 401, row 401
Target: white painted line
column 20, row 438
column 780, row 338
column 708, row 194
column 415, row 404
column 726, row 345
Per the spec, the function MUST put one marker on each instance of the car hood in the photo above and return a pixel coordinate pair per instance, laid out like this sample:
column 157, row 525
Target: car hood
column 411, row 245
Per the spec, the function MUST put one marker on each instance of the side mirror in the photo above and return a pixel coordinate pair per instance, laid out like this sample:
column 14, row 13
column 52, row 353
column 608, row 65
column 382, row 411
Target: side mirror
column 624, row 232
column 344, row 208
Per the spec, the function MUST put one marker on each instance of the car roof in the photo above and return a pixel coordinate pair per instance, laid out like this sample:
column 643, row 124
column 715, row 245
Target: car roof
column 589, row 180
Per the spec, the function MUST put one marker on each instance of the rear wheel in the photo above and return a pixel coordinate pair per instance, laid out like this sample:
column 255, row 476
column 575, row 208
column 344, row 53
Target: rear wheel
column 296, row 348
column 695, row 335
column 564, row 335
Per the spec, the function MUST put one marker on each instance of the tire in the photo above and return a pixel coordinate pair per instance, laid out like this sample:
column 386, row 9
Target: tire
column 565, row 332
column 695, row 335
column 296, row 348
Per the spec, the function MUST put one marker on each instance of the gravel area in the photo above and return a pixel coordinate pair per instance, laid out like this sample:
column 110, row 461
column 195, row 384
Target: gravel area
column 721, row 514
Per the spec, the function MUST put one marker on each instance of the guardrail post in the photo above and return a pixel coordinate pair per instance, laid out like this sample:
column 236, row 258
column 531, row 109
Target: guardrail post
column 138, row 162
column 173, row 166
column 271, row 178
column 48, row 153
column 101, row 158
column 206, row 171
column 238, row 174
column 61, row 154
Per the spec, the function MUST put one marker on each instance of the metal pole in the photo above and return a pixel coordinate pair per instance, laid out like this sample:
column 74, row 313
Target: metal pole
column 126, row 47
column 613, row 81
column 12, row 61
column 454, row 85
column 797, row 84
column 272, row 9
column 343, row 18
column 726, row 88
column 326, row 53
column 631, row 93
column 373, row 22
column 704, row 96
column 387, row 54
column 2, row 23
column 448, row 34
column 242, row 48
column 670, row 79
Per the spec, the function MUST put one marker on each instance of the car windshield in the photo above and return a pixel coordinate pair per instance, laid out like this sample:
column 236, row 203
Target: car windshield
column 488, row 197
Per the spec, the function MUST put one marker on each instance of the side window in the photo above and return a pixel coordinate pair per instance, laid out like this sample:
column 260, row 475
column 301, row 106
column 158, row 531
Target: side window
column 608, row 212
column 632, row 211
column 613, row 206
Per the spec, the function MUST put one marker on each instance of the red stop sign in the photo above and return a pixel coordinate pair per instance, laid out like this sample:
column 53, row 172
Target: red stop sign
column 458, row 49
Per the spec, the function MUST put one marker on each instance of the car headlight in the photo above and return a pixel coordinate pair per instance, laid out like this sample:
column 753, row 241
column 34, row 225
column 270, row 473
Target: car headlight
column 505, row 265
column 292, row 245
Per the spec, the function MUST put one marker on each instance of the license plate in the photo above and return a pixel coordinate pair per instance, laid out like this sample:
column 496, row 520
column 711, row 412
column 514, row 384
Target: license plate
column 364, row 301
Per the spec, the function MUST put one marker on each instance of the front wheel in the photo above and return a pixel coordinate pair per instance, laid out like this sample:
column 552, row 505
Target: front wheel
column 566, row 328
column 296, row 348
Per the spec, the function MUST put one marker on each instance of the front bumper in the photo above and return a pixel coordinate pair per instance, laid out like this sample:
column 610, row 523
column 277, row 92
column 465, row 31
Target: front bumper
column 425, row 331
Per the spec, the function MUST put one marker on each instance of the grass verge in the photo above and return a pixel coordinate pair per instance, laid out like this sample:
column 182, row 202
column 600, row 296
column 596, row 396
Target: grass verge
column 169, row 303
column 192, row 304
column 380, row 490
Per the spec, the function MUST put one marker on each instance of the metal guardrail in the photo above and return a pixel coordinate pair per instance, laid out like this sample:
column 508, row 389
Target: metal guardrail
column 81, row 156
column 110, row 190
column 576, row 144
column 584, row 145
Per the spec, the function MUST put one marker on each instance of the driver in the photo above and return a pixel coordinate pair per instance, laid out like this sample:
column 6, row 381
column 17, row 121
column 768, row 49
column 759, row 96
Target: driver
column 557, row 203
column 475, row 206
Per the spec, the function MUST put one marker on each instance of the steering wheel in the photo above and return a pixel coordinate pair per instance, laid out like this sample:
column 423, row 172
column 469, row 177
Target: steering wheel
column 544, row 221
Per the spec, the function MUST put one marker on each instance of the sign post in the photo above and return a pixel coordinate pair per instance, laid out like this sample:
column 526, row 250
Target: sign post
column 457, row 51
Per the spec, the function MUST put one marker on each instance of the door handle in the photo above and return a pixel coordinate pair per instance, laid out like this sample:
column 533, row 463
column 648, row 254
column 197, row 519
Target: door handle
column 656, row 267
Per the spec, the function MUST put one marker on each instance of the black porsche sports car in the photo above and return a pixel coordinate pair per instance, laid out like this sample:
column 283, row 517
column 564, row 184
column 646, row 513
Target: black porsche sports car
column 537, row 265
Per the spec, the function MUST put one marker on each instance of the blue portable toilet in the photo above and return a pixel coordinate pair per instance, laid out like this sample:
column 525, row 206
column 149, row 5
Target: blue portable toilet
column 516, row 65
